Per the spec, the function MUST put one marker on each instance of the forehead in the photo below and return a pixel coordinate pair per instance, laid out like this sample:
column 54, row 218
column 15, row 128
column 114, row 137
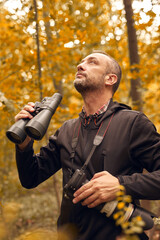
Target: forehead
column 99, row 56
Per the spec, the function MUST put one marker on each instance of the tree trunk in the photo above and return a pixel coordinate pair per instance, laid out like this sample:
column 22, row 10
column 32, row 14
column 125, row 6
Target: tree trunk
column 134, row 56
column 38, row 50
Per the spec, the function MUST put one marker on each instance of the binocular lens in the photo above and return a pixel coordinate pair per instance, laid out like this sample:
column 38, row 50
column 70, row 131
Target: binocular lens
column 16, row 132
column 33, row 133
column 16, row 137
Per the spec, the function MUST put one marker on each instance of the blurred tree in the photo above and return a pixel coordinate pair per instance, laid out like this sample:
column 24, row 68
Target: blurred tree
column 134, row 55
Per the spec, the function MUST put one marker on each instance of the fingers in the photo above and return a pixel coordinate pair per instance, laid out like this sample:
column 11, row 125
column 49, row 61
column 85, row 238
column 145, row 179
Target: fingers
column 89, row 194
column 29, row 107
column 92, row 201
column 26, row 112
column 102, row 188
column 83, row 192
column 23, row 114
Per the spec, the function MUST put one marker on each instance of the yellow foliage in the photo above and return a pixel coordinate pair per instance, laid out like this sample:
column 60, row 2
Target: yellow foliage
column 10, row 212
column 117, row 215
column 121, row 205
column 120, row 220
column 129, row 226
column 38, row 234
column 3, row 230
column 125, row 225
column 127, row 198
column 41, row 234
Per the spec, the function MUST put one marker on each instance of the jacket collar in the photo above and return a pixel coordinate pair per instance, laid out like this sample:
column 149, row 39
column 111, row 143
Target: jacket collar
column 97, row 118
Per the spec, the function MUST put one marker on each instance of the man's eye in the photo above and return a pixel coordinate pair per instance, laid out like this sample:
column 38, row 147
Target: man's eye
column 93, row 62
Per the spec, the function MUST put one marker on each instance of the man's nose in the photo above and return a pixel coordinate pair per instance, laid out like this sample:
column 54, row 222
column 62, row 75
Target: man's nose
column 81, row 67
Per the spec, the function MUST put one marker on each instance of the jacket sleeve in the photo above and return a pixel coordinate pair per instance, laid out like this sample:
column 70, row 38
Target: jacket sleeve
column 36, row 168
column 144, row 153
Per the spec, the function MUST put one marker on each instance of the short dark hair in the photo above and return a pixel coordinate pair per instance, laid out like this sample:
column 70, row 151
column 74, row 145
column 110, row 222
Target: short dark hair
column 113, row 67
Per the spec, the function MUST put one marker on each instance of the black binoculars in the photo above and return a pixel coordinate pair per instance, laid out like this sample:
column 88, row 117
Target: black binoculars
column 37, row 126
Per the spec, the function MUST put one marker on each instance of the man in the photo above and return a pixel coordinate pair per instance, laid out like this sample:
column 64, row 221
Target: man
column 130, row 144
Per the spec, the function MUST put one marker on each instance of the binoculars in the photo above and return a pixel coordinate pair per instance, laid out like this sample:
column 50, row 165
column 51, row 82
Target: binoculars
column 37, row 126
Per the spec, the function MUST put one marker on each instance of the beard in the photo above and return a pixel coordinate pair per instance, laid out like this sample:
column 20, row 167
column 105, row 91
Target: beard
column 81, row 86
column 85, row 84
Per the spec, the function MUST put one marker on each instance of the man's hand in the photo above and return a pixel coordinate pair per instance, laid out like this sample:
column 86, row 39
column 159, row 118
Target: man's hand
column 101, row 188
column 25, row 113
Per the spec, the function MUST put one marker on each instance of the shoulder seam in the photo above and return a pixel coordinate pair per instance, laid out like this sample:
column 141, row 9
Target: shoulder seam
column 131, row 111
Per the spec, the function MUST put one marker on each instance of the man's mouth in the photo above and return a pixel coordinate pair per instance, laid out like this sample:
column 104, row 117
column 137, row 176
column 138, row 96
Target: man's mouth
column 80, row 75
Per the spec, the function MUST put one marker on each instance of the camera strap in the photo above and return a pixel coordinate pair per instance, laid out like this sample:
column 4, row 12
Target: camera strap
column 96, row 142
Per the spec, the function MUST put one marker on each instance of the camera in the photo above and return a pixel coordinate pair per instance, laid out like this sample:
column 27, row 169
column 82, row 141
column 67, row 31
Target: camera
column 109, row 208
column 37, row 126
column 77, row 180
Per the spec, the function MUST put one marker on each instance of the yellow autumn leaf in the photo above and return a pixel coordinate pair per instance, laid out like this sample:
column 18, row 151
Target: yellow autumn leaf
column 120, row 205
column 117, row 215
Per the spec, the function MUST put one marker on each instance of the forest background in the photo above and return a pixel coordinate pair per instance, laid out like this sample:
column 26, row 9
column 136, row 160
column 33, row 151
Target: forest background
column 41, row 43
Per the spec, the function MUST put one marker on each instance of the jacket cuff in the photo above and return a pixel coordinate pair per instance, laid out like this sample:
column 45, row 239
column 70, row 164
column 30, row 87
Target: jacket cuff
column 122, row 182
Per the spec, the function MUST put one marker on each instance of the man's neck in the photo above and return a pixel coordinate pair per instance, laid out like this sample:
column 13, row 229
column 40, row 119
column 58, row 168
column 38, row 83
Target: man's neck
column 93, row 102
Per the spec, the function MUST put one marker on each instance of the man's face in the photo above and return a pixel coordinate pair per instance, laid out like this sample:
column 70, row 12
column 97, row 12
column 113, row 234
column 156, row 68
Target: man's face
column 91, row 73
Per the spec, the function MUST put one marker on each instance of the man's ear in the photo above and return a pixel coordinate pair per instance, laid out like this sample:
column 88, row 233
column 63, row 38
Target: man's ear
column 110, row 79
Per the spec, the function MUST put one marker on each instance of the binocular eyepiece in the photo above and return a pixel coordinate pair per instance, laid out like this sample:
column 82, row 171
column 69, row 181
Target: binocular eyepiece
column 37, row 126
